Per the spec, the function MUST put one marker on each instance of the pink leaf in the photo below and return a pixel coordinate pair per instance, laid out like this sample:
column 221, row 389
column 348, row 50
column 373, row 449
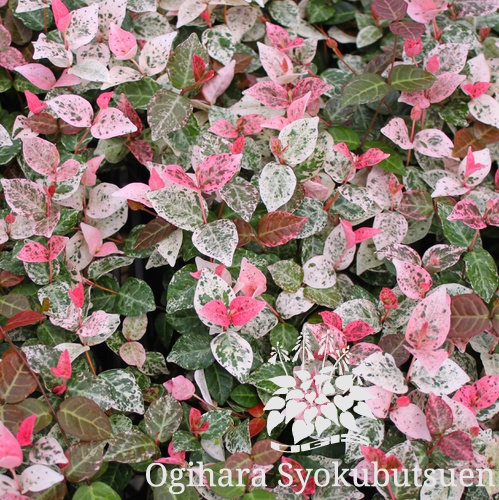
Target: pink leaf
column 251, row 124
column 122, row 43
column 357, row 330
column 66, row 171
column 431, row 360
column 397, row 132
column 331, row 319
column 37, row 74
column 370, row 158
column 73, row 109
column 424, row 11
column 467, row 212
column 198, row 67
column 251, row 281
column 349, row 233
column 243, row 309
column 34, row 103
column 67, row 80
column 111, row 122
column 413, row 280
column 297, row 108
column 314, row 85
column 25, row 434
column 215, row 87
column 40, row 155
column 135, row 191
column 104, row 99
column 98, row 322
column 365, row 233
column 142, row 150
column 56, row 245
column 217, row 170
column 180, row 388
column 11, row 455
column 472, row 166
column 410, row 420
column 77, row 295
column 487, row 390
column 445, row 86
column 278, row 36
column 92, row 237
column 430, row 321
column 176, row 174
column 216, row 312
column 380, row 403
column 89, row 178
column 223, row 128
column 133, row 353
column 434, row 143
column 342, row 148
column 33, row 252
column 63, row 369
column 270, row 94
column 475, row 90
column 457, row 446
column 62, row 16
column 277, row 65
column 11, row 58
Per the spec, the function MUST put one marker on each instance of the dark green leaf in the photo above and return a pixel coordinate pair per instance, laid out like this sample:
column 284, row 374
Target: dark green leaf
column 363, row 89
column 411, row 79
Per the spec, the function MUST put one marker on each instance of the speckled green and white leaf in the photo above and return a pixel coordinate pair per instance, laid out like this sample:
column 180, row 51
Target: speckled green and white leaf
column 393, row 226
column 449, row 378
column 57, row 294
column 110, row 11
column 367, row 36
column 359, row 309
column 39, row 272
column 490, row 363
column 287, row 275
column 107, row 264
column 233, row 353
column 337, row 166
column 4, row 137
column 298, row 140
column 74, row 350
column 141, row 5
column 135, row 297
column 406, row 453
column 39, row 356
column 192, row 352
column 94, row 388
column 211, row 287
column 219, row 421
column 335, row 248
column 167, row 112
column 67, row 188
column 99, row 327
column 284, row 12
column 163, row 418
column 178, row 205
column 289, row 304
column 241, row 196
column 220, row 43
column 102, row 203
column 360, row 197
column 25, row 198
column 277, row 184
column 217, row 239
column 370, row 428
column 417, row 230
column 134, row 327
column 366, row 257
column 189, row 11
column 238, row 440
column 261, row 324
column 156, row 260
column 170, row 247
column 155, row 53
column 155, row 364
column 127, row 395
column 131, row 447
column 83, row 26
column 316, row 216
column 47, row 451
column 318, row 272
column 434, row 488
column 380, row 369
column 240, row 20
column 91, row 70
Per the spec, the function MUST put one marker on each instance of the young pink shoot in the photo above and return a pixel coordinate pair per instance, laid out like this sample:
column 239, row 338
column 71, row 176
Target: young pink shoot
column 25, row 433
column 63, row 369
column 93, row 238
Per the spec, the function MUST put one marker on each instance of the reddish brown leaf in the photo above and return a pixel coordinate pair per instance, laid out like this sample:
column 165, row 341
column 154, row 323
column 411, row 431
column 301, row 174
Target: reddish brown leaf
column 244, row 232
column 438, row 415
column 264, row 454
column 485, row 134
column 416, row 205
column 12, row 304
column 142, row 150
column 239, row 461
column 392, row 10
column 8, row 280
column 43, row 123
column 457, row 445
column 469, row 316
column 127, row 109
column 464, row 140
column 256, row 426
column 23, row 318
column 277, row 228
column 11, row 416
column 394, row 344
column 16, row 381
column 154, row 232
column 408, row 29
column 242, row 62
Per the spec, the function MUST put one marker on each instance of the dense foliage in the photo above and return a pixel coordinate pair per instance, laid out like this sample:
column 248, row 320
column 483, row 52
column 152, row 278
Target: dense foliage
column 227, row 225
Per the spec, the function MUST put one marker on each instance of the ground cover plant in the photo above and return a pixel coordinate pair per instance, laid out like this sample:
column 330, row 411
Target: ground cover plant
column 248, row 236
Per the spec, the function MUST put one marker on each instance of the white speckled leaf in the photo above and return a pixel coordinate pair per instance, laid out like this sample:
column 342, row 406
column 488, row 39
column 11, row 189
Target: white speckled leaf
column 277, row 184
column 380, row 369
column 449, row 378
column 233, row 353
column 299, row 139
column 217, row 239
